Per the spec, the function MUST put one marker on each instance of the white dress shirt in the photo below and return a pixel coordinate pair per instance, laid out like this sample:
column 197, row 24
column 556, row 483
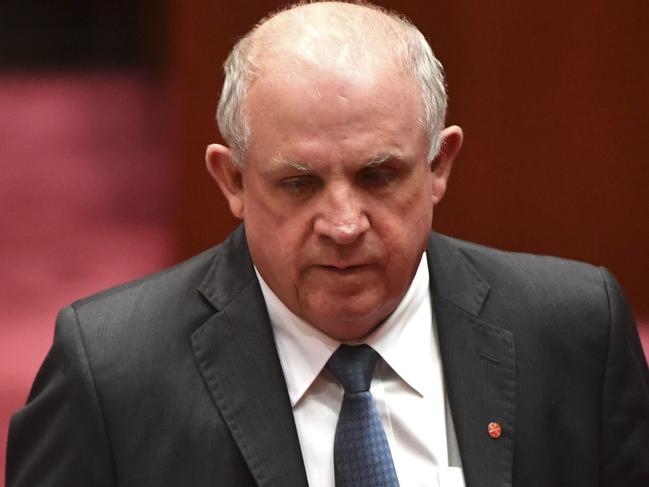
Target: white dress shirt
column 408, row 390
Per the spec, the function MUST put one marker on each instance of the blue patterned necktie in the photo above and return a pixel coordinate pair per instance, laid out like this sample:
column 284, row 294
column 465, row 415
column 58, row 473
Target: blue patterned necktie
column 362, row 455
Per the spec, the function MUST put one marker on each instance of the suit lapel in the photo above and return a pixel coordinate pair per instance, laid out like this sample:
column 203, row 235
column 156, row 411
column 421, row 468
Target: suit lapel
column 479, row 368
column 236, row 354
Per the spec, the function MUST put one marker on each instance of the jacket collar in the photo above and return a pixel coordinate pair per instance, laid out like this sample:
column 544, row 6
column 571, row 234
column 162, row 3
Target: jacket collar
column 230, row 272
column 236, row 354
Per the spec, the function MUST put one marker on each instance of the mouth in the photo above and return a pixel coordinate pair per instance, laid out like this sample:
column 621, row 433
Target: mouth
column 344, row 269
column 342, row 279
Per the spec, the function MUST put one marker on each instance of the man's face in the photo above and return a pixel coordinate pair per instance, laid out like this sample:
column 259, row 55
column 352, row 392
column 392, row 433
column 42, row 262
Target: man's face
column 337, row 195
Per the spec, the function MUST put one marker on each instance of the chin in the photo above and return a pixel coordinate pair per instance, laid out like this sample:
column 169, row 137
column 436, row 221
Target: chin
column 347, row 324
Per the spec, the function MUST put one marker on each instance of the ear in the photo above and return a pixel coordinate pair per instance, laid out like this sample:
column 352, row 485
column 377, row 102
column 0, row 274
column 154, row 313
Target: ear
column 227, row 175
column 441, row 167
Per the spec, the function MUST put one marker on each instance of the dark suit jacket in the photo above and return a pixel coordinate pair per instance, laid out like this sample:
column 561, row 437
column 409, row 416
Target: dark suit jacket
column 174, row 380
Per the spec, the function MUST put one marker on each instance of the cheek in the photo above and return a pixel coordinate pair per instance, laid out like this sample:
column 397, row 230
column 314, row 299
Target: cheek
column 409, row 214
column 404, row 231
column 276, row 237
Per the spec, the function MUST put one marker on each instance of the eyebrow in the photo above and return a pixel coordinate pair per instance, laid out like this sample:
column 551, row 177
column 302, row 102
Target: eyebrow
column 302, row 167
column 374, row 161
column 378, row 160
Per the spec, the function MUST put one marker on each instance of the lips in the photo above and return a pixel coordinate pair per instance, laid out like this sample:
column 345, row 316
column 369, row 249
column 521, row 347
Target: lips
column 344, row 269
column 344, row 264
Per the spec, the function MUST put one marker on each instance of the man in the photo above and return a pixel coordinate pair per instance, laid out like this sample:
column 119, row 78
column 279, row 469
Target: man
column 492, row 369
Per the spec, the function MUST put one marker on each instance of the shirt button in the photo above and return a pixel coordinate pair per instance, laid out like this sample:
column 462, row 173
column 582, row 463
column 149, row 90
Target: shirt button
column 494, row 430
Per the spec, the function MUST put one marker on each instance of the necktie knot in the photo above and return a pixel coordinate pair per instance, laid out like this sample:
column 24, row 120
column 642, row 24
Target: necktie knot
column 353, row 367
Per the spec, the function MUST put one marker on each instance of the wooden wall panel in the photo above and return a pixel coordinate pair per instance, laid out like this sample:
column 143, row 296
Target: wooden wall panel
column 553, row 97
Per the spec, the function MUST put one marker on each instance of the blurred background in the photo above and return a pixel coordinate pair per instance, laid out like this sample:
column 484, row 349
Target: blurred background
column 106, row 109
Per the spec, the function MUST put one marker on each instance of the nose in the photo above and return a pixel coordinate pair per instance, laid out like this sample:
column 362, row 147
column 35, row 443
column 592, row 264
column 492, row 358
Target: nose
column 343, row 218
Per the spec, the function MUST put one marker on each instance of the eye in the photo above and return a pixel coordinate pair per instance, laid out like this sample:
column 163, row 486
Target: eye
column 298, row 184
column 377, row 176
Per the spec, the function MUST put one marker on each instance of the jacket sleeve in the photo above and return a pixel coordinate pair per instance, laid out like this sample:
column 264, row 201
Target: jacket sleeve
column 624, row 444
column 59, row 437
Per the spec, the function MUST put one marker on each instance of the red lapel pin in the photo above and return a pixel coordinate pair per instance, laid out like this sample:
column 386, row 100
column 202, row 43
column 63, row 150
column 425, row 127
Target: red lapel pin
column 494, row 430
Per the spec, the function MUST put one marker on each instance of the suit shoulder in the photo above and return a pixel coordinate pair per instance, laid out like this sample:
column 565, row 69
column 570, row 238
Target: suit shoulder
column 544, row 300
column 538, row 284
column 166, row 303
column 524, row 265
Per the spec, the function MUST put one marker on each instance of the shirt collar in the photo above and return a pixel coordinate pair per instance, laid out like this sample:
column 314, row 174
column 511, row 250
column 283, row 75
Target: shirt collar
column 403, row 341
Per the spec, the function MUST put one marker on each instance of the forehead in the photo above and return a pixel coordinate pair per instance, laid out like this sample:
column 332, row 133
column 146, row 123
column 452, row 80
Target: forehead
column 305, row 107
column 330, row 88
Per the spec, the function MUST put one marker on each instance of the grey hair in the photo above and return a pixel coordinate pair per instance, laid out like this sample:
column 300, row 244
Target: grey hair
column 411, row 50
